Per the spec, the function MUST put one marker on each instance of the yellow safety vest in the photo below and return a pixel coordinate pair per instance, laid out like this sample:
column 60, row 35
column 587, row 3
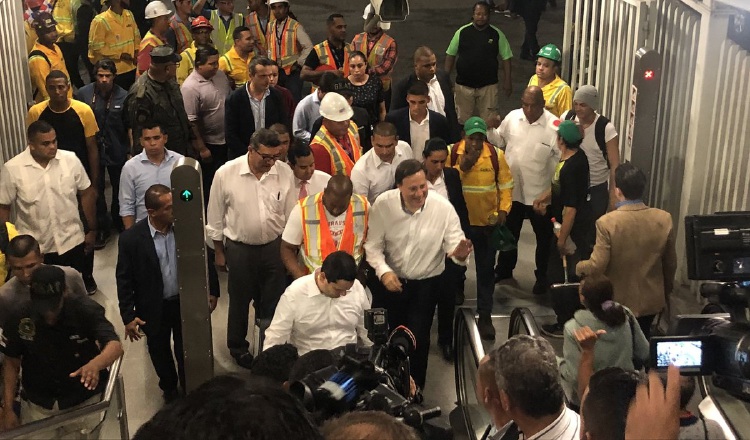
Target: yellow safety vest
column 326, row 56
column 286, row 49
column 221, row 36
column 317, row 241
column 149, row 40
column 375, row 56
column 341, row 163
column 182, row 34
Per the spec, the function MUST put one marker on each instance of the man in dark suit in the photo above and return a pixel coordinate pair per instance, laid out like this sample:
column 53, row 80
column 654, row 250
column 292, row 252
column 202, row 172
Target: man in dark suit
column 439, row 83
column 148, row 291
column 447, row 182
column 417, row 123
column 242, row 116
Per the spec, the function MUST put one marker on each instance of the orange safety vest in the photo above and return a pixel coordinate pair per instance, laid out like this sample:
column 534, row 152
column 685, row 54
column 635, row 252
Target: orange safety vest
column 182, row 34
column 316, row 235
column 149, row 40
column 341, row 163
column 253, row 23
column 285, row 50
column 326, row 56
column 375, row 56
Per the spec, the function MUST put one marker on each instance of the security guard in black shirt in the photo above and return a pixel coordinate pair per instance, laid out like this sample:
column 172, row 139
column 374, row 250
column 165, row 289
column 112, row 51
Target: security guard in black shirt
column 156, row 97
column 54, row 341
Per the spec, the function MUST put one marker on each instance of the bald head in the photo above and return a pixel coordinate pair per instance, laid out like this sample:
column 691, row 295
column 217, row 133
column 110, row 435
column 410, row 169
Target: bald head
column 532, row 103
column 338, row 194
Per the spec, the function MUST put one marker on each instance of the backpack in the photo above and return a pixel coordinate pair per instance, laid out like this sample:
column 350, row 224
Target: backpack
column 32, row 54
column 599, row 128
column 493, row 159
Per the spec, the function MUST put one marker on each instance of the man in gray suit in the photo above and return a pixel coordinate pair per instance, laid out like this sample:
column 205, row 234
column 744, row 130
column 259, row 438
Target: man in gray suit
column 635, row 248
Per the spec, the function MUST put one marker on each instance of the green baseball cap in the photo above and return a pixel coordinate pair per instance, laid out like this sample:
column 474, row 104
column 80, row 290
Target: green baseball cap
column 568, row 130
column 475, row 124
column 551, row 52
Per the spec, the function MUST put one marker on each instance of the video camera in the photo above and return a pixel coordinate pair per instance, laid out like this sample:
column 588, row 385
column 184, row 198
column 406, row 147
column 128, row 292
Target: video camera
column 368, row 378
column 715, row 344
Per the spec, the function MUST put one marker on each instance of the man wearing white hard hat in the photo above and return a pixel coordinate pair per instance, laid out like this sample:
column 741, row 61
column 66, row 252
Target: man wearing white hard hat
column 336, row 146
column 380, row 48
column 158, row 14
column 288, row 45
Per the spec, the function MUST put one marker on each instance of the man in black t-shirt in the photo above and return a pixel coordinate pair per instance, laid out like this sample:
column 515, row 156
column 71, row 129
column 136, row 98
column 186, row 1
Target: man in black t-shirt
column 56, row 342
column 568, row 200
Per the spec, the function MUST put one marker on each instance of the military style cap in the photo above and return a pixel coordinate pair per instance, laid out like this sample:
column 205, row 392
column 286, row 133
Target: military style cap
column 47, row 288
column 163, row 55
column 44, row 22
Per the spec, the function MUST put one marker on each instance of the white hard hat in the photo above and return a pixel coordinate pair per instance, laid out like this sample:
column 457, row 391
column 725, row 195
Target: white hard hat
column 270, row 2
column 370, row 12
column 335, row 107
column 156, row 9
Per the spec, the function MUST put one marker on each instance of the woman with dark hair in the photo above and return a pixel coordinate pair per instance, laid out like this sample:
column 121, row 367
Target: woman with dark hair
column 368, row 89
column 619, row 343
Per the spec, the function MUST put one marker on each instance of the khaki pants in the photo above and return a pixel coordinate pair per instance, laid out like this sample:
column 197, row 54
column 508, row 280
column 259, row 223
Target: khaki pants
column 480, row 102
column 76, row 429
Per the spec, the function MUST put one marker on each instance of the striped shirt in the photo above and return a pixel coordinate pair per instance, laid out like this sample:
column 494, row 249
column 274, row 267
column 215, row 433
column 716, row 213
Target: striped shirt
column 565, row 427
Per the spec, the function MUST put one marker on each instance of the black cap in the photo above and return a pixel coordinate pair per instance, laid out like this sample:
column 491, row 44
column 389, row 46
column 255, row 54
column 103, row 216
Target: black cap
column 163, row 55
column 44, row 22
column 47, row 288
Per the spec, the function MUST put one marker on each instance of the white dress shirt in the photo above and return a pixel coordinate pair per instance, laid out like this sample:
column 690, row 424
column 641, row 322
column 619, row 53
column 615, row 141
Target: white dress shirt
column 372, row 177
column 45, row 199
column 420, row 133
column 531, row 152
column 310, row 320
column 305, row 115
column 566, row 427
column 437, row 99
column 247, row 209
column 439, row 186
column 413, row 246
column 316, row 184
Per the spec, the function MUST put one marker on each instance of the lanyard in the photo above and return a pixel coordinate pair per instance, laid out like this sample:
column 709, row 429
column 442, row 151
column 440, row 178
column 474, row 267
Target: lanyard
column 278, row 37
column 106, row 109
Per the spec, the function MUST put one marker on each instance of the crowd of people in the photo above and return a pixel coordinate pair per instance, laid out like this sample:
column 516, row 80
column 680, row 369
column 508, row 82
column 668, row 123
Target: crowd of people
column 330, row 187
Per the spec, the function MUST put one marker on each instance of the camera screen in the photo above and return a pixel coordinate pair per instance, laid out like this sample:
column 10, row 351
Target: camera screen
column 683, row 354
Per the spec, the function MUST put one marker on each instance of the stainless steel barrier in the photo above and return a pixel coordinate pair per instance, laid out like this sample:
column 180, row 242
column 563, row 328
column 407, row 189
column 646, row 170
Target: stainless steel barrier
column 522, row 322
column 111, row 407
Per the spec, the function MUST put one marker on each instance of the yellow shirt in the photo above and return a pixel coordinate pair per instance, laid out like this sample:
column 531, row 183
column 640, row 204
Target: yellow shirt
column 30, row 36
column 187, row 64
column 113, row 35
column 39, row 69
column 558, row 98
column 63, row 15
column 235, row 67
column 483, row 195
column 82, row 110
column 12, row 233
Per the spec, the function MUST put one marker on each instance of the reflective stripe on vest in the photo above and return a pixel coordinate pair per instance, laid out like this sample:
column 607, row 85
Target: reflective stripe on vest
column 373, row 58
column 326, row 56
column 341, row 163
column 182, row 35
column 317, row 239
column 253, row 23
column 149, row 40
column 221, row 36
column 288, row 52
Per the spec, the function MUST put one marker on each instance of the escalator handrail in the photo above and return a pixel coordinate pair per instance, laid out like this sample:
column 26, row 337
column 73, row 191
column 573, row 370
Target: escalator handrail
column 466, row 315
column 522, row 316
column 68, row 416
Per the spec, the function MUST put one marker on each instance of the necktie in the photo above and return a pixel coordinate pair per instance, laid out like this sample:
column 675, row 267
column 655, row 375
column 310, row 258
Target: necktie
column 303, row 189
column 347, row 146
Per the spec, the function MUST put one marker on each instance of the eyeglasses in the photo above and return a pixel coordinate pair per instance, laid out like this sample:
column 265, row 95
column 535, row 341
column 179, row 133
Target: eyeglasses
column 267, row 157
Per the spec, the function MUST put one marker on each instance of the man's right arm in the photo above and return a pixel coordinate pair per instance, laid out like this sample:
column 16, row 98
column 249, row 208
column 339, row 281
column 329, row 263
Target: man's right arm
column 451, row 53
column 290, row 260
column 215, row 221
column 280, row 330
column 300, row 124
column 11, row 373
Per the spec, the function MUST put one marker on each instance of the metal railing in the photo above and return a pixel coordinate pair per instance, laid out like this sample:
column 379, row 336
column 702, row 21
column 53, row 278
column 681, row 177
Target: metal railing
column 522, row 322
column 112, row 407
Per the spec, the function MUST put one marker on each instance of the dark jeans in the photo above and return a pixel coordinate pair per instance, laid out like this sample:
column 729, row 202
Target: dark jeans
column 599, row 205
column 114, row 220
column 74, row 258
column 125, row 80
column 565, row 301
column 257, row 275
column 484, row 259
column 414, row 308
column 160, row 346
column 531, row 16
column 451, row 282
column 506, row 261
column 70, row 55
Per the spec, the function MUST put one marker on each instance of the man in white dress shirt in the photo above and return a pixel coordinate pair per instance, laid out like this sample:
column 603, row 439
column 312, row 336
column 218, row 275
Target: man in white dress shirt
column 374, row 173
column 530, row 140
column 45, row 186
column 251, row 199
column 307, row 180
column 411, row 230
column 323, row 310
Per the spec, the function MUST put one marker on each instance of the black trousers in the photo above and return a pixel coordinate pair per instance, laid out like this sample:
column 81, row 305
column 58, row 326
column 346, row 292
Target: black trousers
column 159, row 341
column 414, row 307
column 565, row 302
column 599, row 205
column 75, row 258
column 104, row 222
column 531, row 16
column 645, row 322
column 542, row 225
column 257, row 275
column 293, row 82
column 71, row 54
column 451, row 283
